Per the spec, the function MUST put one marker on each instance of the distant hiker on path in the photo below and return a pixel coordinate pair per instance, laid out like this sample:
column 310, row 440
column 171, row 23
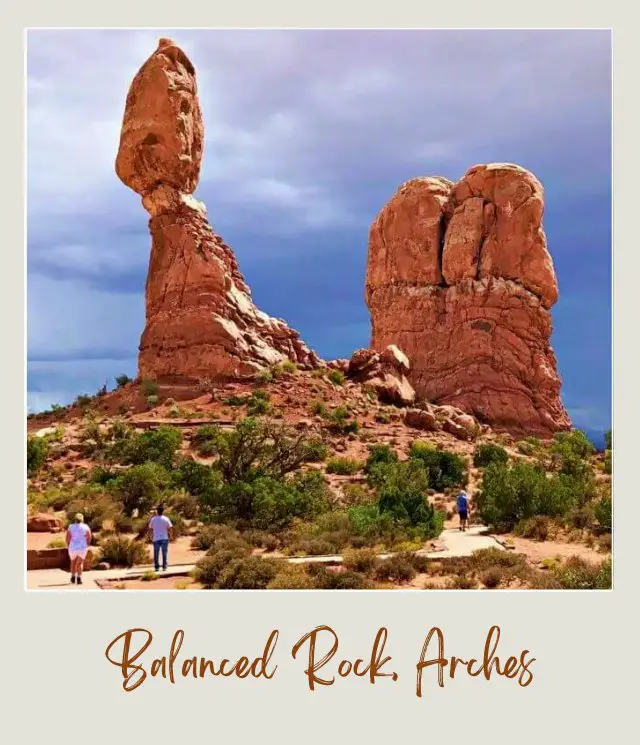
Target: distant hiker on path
column 160, row 528
column 462, row 503
column 78, row 542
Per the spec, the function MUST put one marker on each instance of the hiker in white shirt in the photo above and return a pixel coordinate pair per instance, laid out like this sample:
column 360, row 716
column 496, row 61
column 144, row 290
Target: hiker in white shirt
column 78, row 542
column 160, row 528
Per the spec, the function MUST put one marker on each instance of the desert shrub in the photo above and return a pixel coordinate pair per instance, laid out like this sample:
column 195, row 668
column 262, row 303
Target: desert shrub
column 209, row 567
column 340, row 421
column 183, row 503
column 580, row 517
column 197, row 479
column 607, row 462
column 211, row 536
column 577, row 574
column 122, row 380
column 326, row 580
column 489, row 453
column 258, row 405
column 316, row 450
column 380, row 454
column 524, row 447
column 261, row 539
column 292, row 577
column 570, row 451
column 491, row 577
column 604, row 543
column 140, row 487
column 513, row 493
column 608, row 440
column 149, row 388
column 603, row 513
column 537, row 527
column 463, row 582
column 343, row 466
column 101, row 475
column 360, row 560
column 57, row 543
column 254, row 449
column 149, row 576
column 318, row 408
column 119, row 550
column 263, row 376
column 95, row 506
column 250, row 573
column 487, row 558
column 398, row 568
column 83, row 400
column 336, row 377
column 157, row 446
column 236, row 400
column 355, row 494
column 37, row 452
column 402, row 495
column 444, row 469
column 288, row 366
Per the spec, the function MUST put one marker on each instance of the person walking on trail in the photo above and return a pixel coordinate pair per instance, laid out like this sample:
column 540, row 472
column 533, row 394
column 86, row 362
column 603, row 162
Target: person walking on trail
column 462, row 503
column 78, row 541
column 160, row 528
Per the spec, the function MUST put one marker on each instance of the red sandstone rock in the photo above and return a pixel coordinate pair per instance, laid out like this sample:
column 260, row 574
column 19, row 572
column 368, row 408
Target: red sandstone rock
column 44, row 523
column 200, row 320
column 385, row 373
column 472, row 316
column 421, row 419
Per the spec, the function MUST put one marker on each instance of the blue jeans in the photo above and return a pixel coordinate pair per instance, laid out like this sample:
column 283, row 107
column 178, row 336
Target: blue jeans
column 162, row 545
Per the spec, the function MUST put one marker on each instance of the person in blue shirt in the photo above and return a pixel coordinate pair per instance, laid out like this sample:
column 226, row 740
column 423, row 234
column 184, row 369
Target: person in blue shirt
column 462, row 503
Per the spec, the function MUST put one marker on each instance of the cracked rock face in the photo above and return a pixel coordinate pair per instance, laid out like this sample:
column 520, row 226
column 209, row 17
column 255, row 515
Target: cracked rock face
column 460, row 278
column 201, row 322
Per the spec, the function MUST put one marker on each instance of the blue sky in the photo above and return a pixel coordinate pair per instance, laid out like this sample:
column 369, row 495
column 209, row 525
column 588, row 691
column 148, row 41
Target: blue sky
column 308, row 134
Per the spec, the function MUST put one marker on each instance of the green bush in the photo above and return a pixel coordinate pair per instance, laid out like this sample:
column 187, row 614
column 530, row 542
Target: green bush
column 608, row 440
column 292, row 577
column 37, row 452
column 140, row 487
column 288, row 366
column 156, row 445
column 336, row 377
column 398, row 568
column 254, row 449
column 83, row 400
column 318, row 408
column 119, row 550
column 538, row 528
column 258, row 405
column 492, row 577
column 223, row 552
column 514, row 493
column 379, row 454
column 95, row 506
column 316, row 450
column 212, row 536
column 603, row 511
column 250, row 573
column 360, row 560
column 200, row 480
column 343, row 466
column 264, row 376
column 183, row 503
column 489, row 453
column 444, row 469
column 327, row 580
column 149, row 388
column 607, row 461
column 340, row 422
column 122, row 380
column 577, row 574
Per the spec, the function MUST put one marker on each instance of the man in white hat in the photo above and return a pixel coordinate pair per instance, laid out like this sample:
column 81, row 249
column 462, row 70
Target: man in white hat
column 78, row 542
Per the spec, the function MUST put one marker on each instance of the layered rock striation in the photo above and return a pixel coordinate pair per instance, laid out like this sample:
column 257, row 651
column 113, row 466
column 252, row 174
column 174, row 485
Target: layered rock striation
column 201, row 322
column 460, row 278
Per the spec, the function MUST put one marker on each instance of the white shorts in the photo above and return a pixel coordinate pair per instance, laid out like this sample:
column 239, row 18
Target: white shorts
column 79, row 554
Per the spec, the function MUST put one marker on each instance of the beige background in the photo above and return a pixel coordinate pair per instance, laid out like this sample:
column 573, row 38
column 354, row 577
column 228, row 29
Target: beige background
column 53, row 665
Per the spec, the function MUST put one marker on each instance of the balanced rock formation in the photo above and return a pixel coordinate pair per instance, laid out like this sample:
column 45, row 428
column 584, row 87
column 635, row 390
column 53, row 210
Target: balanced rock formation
column 460, row 278
column 384, row 372
column 200, row 320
